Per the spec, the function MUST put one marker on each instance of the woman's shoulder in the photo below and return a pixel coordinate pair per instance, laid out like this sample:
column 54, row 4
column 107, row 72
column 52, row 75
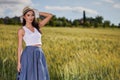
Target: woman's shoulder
column 21, row 30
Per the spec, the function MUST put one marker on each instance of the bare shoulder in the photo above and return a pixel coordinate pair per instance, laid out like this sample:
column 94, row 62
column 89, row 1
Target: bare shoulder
column 21, row 31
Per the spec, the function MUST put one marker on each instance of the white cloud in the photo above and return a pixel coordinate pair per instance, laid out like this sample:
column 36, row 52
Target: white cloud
column 97, row 3
column 116, row 5
column 109, row 1
column 1, row 12
column 58, row 8
column 13, row 7
column 68, row 8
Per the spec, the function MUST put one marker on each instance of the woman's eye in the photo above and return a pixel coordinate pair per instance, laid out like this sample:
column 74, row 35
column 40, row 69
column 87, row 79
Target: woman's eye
column 30, row 15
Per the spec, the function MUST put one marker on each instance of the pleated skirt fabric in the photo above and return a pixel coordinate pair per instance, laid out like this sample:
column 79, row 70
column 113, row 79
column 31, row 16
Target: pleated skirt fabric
column 33, row 64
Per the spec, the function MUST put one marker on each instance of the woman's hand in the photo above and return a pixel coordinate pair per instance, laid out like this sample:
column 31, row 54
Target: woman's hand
column 47, row 16
column 18, row 67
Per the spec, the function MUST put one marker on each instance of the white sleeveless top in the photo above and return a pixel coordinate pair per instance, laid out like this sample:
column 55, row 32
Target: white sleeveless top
column 30, row 37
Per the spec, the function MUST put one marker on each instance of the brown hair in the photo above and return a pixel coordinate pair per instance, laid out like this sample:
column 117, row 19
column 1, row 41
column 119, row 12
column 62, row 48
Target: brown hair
column 34, row 23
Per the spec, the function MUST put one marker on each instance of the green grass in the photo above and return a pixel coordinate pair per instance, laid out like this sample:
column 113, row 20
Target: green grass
column 71, row 53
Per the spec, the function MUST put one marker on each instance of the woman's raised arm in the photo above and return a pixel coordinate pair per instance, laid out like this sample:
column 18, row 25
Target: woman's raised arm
column 47, row 16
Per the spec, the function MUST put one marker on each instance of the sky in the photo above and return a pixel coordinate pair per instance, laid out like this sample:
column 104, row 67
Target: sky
column 71, row 9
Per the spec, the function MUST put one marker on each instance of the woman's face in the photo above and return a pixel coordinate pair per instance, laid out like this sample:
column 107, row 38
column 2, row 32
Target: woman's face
column 29, row 17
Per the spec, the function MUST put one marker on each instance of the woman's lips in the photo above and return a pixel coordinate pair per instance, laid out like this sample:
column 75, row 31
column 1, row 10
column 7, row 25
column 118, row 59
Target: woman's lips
column 31, row 19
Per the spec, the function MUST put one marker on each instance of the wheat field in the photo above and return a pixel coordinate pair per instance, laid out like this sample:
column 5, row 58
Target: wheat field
column 71, row 53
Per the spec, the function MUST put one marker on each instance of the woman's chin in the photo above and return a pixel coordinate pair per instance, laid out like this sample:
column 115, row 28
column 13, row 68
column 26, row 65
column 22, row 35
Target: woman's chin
column 30, row 21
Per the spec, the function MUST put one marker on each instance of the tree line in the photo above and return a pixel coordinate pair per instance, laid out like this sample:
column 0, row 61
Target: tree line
column 98, row 21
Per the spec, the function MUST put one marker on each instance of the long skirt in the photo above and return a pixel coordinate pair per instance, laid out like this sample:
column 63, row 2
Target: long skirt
column 33, row 64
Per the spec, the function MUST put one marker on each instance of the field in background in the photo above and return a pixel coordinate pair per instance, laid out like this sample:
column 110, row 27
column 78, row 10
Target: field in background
column 71, row 53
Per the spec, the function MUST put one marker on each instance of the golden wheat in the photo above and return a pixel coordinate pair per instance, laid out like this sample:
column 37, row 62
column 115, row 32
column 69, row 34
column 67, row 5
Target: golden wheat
column 71, row 53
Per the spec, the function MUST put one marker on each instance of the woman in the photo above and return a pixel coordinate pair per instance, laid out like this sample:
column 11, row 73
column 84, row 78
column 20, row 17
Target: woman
column 31, row 61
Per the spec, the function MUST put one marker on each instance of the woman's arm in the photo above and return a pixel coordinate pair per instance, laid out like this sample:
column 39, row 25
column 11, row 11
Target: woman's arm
column 20, row 36
column 47, row 16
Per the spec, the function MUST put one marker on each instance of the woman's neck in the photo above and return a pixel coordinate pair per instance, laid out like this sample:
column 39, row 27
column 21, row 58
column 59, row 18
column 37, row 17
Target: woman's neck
column 28, row 25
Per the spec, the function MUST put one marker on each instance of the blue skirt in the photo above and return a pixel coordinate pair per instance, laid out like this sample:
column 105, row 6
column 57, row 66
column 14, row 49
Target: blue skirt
column 33, row 64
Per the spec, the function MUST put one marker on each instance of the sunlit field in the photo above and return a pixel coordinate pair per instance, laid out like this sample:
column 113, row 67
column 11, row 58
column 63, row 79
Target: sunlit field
column 71, row 53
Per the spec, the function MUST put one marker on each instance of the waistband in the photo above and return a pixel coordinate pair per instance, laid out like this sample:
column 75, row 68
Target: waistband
column 33, row 46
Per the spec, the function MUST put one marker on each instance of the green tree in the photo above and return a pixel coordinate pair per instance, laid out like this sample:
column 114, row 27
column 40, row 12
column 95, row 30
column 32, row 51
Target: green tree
column 99, row 19
column 76, row 22
column 1, row 21
column 96, row 24
column 112, row 26
column 106, row 23
column 84, row 17
column 119, row 25
column 52, row 21
column 91, row 21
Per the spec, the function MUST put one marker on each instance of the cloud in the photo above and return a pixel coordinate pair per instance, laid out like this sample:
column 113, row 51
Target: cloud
column 109, row 1
column 73, row 9
column 97, row 3
column 13, row 7
column 14, row 1
column 116, row 5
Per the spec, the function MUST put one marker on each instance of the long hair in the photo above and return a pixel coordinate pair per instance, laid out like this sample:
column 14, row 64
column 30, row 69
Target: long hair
column 34, row 23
